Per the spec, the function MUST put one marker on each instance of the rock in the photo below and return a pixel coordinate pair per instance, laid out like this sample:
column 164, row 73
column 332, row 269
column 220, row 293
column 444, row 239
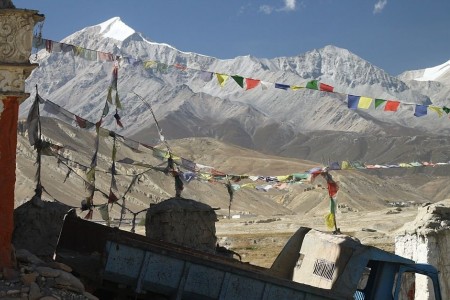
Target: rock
column 68, row 280
column 23, row 255
column 60, row 266
column 12, row 292
column 48, row 272
column 89, row 296
column 27, row 279
column 35, row 292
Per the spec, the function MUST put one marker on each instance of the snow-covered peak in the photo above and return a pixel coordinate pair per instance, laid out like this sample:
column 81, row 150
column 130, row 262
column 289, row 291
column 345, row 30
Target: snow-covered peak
column 431, row 74
column 116, row 29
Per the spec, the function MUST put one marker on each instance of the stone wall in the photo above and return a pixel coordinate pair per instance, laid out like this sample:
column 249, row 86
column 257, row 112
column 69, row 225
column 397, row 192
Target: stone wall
column 427, row 240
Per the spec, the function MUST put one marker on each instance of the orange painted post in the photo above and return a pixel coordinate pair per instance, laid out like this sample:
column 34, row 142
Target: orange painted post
column 9, row 107
column 15, row 48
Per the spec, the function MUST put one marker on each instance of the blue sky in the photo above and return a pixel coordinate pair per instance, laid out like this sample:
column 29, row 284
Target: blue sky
column 395, row 35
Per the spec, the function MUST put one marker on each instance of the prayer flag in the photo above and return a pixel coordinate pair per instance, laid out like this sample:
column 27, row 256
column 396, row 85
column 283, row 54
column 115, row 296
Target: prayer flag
column 206, row 76
column 239, row 80
column 150, row 64
column 281, row 86
column 364, row 102
column 378, row 102
column 251, row 83
column 312, row 85
column 353, row 101
column 105, row 110
column 437, row 109
column 446, row 109
column 391, row 105
column 222, row 78
column 421, row 110
column 81, row 122
column 265, row 85
column 296, row 87
column 33, row 123
column 326, row 88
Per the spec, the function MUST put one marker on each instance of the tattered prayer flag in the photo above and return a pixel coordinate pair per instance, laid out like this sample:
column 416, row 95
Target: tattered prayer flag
column 353, row 101
column 117, row 117
column 118, row 104
column 33, row 122
column 251, row 83
column 378, row 102
column 104, row 213
column 103, row 56
column 222, row 78
column 326, row 88
column 313, row 85
column 109, row 96
column 81, row 122
column 437, row 109
column 105, row 110
column 239, row 80
column 391, row 105
column 296, row 87
column 206, row 76
column 446, row 109
column 112, row 198
column 282, row 86
column 364, row 102
column 421, row 110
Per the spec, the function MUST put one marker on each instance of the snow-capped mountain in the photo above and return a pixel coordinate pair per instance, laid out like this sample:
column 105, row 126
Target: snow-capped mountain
column 185, row 105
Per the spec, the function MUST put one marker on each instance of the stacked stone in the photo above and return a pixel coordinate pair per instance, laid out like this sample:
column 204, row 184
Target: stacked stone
column 185, row 222
column 36, row 279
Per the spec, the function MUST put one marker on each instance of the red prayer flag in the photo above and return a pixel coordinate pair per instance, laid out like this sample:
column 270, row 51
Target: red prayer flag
column 326, row 88
column 391, row 105
column 332, row 189
column 251, row 83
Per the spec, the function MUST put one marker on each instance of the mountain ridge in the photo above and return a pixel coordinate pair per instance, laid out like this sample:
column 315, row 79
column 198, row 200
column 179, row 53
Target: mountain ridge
column 184, row 103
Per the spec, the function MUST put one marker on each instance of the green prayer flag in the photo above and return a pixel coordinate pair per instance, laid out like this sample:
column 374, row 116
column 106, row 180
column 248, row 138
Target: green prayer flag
column 446, row 109
column 313, row 85
column 109, row 96
column 105, row 110
column 378, row 102
column 118, row 104
column 239, row 80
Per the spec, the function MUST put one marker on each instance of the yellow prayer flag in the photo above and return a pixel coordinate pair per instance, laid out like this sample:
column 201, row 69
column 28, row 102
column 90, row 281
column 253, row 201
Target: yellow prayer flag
column 150, row 64
column 222, row 78
column 437, row 109
column 329, row 220
column 346, row 165
column 296, row 87
column 364, row 102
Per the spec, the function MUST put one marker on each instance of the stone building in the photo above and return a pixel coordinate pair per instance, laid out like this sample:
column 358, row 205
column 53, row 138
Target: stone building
column 427, row 240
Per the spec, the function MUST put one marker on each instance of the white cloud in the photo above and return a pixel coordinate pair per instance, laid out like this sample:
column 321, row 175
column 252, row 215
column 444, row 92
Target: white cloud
column 379, row 6
column 289, row 5
column 267, row 9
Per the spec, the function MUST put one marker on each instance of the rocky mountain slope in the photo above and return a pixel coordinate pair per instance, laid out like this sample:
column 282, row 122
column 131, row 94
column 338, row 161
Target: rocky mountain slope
column 272, row 120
